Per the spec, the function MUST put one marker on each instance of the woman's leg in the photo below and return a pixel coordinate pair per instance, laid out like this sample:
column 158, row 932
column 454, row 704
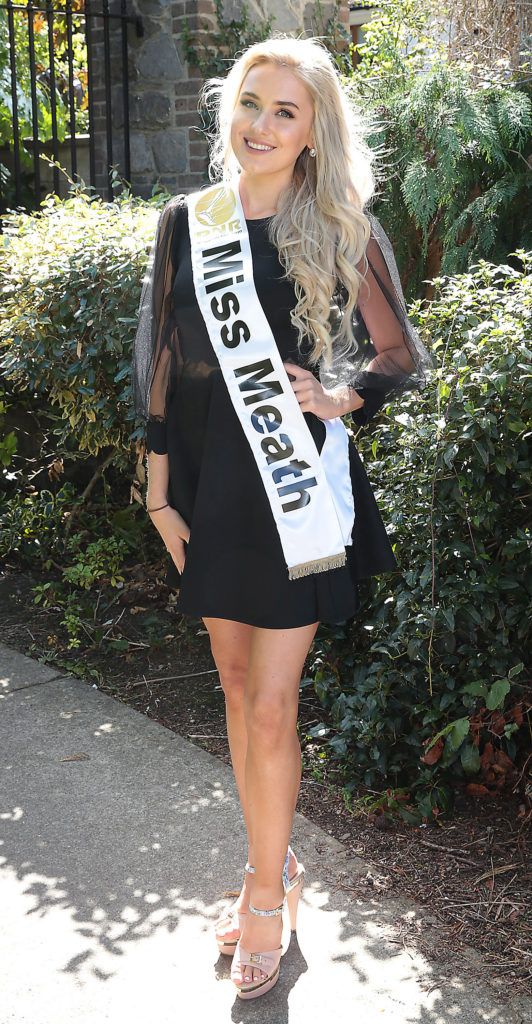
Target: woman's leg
column 272, row 770
column 230, row 645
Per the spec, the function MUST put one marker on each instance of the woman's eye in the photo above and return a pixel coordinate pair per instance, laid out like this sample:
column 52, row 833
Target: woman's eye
column 282, row 110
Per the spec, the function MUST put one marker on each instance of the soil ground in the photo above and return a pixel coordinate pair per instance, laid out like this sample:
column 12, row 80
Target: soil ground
column 470, row 868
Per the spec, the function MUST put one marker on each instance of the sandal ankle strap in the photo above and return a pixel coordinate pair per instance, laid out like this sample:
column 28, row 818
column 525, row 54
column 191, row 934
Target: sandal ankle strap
column 251, row 870
column 266, row 913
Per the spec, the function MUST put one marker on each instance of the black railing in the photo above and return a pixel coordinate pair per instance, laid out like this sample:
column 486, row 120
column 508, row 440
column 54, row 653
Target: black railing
column 90, row 22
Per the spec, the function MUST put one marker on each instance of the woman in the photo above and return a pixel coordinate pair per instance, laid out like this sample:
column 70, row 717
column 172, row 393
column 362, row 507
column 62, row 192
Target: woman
column 254, row 286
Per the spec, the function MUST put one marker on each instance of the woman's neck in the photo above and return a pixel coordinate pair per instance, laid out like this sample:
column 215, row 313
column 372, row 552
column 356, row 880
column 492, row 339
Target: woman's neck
column 260, row 194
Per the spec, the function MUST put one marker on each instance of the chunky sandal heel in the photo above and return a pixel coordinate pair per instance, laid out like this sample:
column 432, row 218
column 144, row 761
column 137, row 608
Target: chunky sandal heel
column 293, row 888
column 292, row 900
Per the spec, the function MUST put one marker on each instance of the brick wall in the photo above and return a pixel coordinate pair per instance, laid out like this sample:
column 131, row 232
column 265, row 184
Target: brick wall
column 165, row 142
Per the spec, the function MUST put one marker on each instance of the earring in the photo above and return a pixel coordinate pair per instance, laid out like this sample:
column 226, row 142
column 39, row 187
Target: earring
column 312, row 152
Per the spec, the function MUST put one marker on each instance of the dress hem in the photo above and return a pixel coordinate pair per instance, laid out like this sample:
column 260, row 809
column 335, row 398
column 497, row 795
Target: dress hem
column 258, row 625
column 251, row 620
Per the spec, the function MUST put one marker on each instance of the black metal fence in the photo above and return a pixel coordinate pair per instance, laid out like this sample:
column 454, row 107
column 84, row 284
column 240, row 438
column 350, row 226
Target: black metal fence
column 100, row 33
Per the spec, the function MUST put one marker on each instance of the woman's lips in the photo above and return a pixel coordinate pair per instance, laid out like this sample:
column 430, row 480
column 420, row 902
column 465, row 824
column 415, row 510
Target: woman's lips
column 253, row 150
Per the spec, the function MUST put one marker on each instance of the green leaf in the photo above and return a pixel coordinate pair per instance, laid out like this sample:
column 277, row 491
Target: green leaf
column 477, row 689
column 448, row 615
column 426, row 575
column 458, row 733
column 452, row 731
column 318, row 730
column 470, row 759
column 497, row 693
column 482, row 452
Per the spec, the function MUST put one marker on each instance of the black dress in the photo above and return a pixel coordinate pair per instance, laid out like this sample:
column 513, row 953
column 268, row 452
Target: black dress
column 234, row 565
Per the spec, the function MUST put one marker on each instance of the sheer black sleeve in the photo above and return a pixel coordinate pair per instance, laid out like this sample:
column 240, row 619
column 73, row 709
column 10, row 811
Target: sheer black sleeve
column 155, row 347
column 390, row 357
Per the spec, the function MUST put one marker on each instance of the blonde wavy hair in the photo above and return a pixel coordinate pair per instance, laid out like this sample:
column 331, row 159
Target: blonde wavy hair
column 320, row 229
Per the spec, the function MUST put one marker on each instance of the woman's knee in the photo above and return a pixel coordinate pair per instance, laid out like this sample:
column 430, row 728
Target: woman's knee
column 230, row 649
column 270, row 717
column 233, row 681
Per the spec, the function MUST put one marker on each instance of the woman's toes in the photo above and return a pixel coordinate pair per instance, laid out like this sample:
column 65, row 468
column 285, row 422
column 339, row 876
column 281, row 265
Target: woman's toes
column 249, row 975
column 243, row 974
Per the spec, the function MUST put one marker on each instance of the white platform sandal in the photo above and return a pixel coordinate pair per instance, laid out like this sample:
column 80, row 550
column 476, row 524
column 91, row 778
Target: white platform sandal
column 228, row 945
column 269, row 961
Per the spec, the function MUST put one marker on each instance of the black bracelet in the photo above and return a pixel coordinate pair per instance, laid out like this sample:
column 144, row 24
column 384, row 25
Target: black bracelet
column 157, row 509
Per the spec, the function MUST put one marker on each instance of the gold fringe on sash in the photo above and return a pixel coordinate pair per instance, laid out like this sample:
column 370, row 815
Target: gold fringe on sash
column 317, row 565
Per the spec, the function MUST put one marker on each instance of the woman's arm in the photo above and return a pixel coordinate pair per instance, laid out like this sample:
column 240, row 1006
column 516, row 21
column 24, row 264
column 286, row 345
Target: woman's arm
column 156, row 345
column 155, row 355
column 390, row 358
column 160, row 382
column 158, row 480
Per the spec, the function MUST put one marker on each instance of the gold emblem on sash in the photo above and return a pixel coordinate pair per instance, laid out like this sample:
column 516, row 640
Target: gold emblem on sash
column 216, row 207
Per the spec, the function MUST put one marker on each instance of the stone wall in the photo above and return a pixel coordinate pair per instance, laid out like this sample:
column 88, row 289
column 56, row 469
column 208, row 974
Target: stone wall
column 166, row 141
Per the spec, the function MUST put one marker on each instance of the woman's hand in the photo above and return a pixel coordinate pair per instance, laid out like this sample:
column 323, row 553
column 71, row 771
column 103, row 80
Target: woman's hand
column 174, row 532
column 313, row 397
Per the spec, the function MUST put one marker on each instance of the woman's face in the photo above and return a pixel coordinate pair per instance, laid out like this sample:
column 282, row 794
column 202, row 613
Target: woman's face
column 274, row 109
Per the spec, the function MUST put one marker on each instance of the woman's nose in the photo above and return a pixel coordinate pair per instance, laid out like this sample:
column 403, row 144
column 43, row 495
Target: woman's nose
column 261, row 121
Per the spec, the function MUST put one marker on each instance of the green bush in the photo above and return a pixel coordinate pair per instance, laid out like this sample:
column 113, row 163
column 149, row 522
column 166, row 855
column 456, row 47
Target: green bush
column 70, row 280
column 427, row 690
column 453, row 141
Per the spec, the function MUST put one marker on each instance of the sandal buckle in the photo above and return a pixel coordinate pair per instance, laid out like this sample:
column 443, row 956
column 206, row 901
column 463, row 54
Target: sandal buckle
column 256, row 958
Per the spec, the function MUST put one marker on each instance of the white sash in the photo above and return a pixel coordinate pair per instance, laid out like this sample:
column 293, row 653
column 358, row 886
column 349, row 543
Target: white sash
column 310, row 497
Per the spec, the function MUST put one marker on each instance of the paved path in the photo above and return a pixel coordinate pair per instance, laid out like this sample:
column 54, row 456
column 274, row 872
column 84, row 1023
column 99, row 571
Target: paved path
column 114, row 866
